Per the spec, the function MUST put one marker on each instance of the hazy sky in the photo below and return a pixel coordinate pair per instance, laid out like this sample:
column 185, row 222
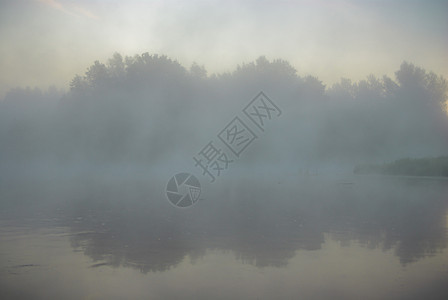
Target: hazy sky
column 47, row 42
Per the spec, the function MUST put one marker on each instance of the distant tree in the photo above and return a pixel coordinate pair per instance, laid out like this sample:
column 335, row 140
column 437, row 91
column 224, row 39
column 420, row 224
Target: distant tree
column 116, row 66
column 198, row 71
column 410, row 76
column 312, row 89
column 133, row 107
column 314, row 83
column 97, row 75
column 390, row 86
column 370, row 89
column 343, row 90
column 262, row 67
column 78, row 84
column 419, row 85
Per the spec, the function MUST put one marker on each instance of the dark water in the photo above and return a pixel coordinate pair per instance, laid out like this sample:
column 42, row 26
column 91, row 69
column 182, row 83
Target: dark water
column 291, row 238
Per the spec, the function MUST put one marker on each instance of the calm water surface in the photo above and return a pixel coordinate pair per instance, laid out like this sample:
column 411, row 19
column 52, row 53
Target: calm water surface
column 292, row 238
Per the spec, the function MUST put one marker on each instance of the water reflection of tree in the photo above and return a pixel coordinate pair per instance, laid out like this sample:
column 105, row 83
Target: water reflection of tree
column 264, row 226
column 408, row 216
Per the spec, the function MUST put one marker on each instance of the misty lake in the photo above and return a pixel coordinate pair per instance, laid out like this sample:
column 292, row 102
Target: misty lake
column 295, row 237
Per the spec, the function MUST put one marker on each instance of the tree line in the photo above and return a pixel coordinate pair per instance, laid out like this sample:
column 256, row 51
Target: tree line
column 147, row 108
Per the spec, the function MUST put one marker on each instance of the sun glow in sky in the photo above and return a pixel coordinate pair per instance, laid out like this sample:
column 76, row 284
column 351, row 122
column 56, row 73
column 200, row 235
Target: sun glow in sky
column 47, row 42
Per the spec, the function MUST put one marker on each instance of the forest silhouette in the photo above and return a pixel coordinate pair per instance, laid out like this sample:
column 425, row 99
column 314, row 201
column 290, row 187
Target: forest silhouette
column 147, row 108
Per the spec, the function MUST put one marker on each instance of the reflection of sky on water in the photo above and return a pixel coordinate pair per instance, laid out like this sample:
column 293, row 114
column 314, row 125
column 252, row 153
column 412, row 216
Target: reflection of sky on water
column 332, row 272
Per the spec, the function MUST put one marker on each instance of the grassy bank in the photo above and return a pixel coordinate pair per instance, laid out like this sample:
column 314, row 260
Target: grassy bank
column 410, row 167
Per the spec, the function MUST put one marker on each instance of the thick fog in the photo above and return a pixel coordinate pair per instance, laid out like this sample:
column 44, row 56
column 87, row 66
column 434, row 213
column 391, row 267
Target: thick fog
column 150, row 112
column 223, row 150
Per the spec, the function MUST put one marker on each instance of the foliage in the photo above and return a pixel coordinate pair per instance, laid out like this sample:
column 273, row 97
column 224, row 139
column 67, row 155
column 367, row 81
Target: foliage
column 145, row 108
column 410, row 167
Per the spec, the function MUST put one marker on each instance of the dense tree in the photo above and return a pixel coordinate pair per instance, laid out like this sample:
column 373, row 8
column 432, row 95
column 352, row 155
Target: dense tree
column 146, row 108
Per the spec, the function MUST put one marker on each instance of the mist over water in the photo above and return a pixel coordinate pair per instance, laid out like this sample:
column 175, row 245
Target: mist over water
column 84, row 182
column 285, row 233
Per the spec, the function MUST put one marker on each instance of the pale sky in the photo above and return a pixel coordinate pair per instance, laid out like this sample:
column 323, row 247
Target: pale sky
column 48, row 42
